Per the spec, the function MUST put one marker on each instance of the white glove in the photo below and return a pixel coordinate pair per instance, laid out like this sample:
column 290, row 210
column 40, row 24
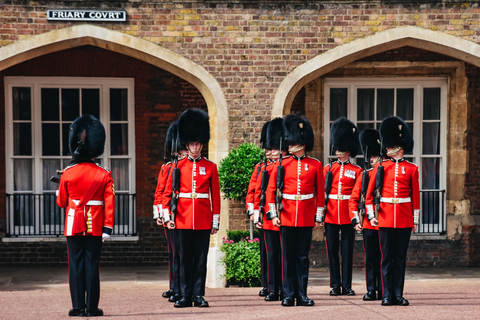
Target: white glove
column 105, row 236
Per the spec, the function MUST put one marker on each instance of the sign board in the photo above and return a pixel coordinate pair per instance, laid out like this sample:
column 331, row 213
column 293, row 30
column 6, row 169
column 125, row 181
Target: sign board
column 86, row 15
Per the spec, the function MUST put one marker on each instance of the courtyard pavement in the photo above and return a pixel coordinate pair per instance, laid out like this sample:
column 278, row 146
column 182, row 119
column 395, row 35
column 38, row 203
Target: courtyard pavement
column 135, row 293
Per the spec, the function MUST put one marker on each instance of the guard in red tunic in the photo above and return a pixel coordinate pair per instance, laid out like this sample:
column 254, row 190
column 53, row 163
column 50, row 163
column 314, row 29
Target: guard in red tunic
column 86, row 190
column 173, row 294
column 250, row 199
column 341, row 176
column 198, row 207
column 398, row 207
column 296, row 208
column 270, row 233
column 370, row 143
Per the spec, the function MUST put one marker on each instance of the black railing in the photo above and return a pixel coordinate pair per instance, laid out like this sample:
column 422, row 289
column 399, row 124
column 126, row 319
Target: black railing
column 39, row 215
column 432, row 212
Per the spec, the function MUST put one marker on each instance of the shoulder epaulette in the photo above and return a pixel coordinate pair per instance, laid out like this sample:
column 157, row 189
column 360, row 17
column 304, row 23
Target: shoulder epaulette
column 314, row 159
column 411, row 163
column 70, row 166
column 209, row 160
column 356, row 165
column 103, row 167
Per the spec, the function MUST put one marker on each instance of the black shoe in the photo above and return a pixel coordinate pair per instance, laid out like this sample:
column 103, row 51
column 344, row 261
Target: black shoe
column 263, row 292
column 168, row 294
column 198, row 301
column 305, row 301
column 271, row 297
column 370, row 296
column 175, row 297
column 76, row 313
column 379, row 295
column 387, row 302
column 348, row 292
column 335, row 291
column 400, row 301
column 95, row 313
column 183, row 303
column 288, row 302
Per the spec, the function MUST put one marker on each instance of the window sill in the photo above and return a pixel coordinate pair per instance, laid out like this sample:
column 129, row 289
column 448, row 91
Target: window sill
column 62, row 239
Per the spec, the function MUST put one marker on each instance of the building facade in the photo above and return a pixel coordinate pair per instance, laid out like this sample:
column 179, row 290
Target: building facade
column 244, row 62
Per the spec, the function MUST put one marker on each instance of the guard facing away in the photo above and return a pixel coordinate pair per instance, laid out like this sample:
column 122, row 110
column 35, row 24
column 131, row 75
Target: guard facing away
column 191, row 205
column 398, row 208
column 86, row 189
column 295, row 199
column 344, row 142
column 370, row 143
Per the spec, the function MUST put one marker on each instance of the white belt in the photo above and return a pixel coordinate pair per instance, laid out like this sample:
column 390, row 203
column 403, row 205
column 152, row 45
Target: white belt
column 395, row 200
column 90, row 203
column 297, row 196
column 338, row 197
column 194, row 195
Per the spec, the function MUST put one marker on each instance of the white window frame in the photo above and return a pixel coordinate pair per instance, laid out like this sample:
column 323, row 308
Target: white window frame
column 36, row 84
column 417, row 83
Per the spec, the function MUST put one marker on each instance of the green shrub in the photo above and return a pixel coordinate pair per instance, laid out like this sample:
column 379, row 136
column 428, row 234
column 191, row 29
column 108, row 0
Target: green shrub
column 238, row 235
column 242, row 261
column 236, row 169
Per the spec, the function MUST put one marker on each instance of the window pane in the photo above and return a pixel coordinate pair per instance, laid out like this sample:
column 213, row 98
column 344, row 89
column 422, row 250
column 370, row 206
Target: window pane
column 410, row 125
column 338, row 103
column 431, row 138
column 405, row 104
column 21, row 104
column 22, row 175
column 50, row 168
column 365, row 104
column 120, row 172
column 430, row 173
column 431, row 103
column 91, row 102
column 70, row 104
column 118, row 104
column 385, row 103
column 50, row 104
column 22, row 139
column 65, row 146
column 119, row 139
column 363, row 126
column 51, row 139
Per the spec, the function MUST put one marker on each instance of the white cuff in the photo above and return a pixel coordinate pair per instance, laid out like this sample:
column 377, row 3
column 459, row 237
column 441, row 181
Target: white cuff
column 370, row 211
column 166, row 215
column 356, row 217
column 249, row 208
column 155, row 212
column 256, row 216
column 216, row 221
column 273, row 210
column 319, row 217
column 416, row 216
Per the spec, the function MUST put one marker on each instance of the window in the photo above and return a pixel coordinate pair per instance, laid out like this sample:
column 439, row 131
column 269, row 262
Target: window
column 39, row 112
column 422, row 104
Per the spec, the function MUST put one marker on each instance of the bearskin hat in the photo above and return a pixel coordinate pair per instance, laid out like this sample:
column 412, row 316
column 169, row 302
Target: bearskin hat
column 94, row 141
column 274, row 134
column 370, row 143
column 172, row 140
column 395, row 132
column 193, row 126
column 297, row 130
column 263, row 136
column 344, row 136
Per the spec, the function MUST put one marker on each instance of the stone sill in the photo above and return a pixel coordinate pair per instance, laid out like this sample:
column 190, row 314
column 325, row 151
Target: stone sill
column 62, row 239
column 415, row 237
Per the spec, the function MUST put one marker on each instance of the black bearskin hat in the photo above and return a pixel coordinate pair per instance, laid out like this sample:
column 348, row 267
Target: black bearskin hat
column 172, row 140
column 263, row 136
column 297, row 130
column 94, row 140
column 394, row 132
column 370, row 143
column 344, row 136
column 274, row 134
column 193, row 126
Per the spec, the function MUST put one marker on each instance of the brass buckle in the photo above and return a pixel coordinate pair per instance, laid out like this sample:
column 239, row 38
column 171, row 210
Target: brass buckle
column 298, row 197
column 395, row 200
column 340, row 197
column 194, row 195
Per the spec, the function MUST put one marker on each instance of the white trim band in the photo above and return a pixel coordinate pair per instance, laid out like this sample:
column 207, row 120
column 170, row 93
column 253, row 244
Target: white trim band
column 338, row 196
column 194, row 195
column 90, row 203
column 395, row 200
column 297, row 196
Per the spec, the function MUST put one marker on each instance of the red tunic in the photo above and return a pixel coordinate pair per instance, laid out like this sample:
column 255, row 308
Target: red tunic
column 75, row 181
column 250, row 198
column 400, row 194
column 266, row 224
column 199, row 194
column 303, row 177
column 344, row 177
column 355, row 199
column 161, row 183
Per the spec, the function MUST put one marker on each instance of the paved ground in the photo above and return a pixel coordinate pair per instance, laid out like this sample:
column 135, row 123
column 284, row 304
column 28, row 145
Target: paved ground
column 135, row 293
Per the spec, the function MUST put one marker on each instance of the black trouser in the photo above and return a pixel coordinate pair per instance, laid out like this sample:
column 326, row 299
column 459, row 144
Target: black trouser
column 83, row 273
column 263, row 258
column 273, row 266
column 173, row 259
column 332, row 232
column 295, row 263
column 193, row 246
column 371, row 247
column 394, row 245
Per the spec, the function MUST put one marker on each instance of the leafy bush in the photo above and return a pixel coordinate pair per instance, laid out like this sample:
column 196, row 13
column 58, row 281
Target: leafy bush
column 236, row 169
column 242, row 261
column 239, row 235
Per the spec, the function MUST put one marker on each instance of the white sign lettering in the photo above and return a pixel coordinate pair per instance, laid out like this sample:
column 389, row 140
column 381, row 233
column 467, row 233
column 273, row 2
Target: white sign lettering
column 86, row 15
